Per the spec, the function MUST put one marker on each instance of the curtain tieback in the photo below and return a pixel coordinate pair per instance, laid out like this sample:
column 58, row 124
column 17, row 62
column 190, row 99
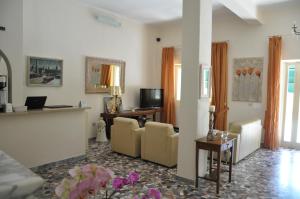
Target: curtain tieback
column 222, row 111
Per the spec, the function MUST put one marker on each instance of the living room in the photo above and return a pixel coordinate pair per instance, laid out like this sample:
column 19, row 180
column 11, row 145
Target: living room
column 136, row 33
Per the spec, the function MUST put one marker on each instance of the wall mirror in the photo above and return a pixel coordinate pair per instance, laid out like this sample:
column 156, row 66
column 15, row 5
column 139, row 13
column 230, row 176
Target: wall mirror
column 101, row 74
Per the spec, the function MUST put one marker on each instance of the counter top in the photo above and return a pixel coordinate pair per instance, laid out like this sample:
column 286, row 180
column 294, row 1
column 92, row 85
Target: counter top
column 45, row 110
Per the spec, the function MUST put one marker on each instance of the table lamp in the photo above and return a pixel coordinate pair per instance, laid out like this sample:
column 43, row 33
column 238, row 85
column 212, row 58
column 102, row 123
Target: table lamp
column 116, row 92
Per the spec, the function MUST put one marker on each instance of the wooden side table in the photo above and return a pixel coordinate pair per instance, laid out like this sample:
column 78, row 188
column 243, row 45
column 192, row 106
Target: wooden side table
column 218, row 146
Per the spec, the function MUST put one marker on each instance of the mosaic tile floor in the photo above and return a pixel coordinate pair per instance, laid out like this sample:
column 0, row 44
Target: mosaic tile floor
column 264, row 174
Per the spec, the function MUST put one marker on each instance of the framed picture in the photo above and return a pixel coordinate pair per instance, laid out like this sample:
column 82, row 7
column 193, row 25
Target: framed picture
column 205, row 79
column 46, row 72
column 247, row 79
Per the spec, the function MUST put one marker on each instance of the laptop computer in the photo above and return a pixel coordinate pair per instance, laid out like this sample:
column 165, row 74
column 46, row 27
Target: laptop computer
column 36, row 102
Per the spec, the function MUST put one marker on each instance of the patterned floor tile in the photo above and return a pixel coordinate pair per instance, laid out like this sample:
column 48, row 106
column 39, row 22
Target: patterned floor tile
column 264, row 174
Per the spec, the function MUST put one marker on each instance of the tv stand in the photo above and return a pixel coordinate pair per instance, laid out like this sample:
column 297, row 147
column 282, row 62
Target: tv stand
column 135, row 113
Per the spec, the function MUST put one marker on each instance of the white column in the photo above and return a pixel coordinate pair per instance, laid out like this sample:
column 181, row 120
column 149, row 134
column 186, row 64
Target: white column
column 196, row 50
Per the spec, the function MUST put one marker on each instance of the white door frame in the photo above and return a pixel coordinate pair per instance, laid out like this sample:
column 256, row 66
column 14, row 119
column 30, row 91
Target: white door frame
column 295, row 114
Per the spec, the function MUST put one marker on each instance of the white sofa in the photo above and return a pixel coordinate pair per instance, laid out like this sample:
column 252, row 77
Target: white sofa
column 248, row 134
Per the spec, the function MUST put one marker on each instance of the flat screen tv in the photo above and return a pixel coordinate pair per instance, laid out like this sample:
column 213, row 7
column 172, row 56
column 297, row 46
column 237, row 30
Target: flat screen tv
column 151, row 98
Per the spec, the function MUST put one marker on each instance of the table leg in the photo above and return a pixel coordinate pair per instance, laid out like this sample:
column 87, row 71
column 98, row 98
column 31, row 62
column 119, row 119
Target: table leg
column 108, row 122
column 218, row 170
column 197, row 162
column 210, row 161
column 154, row 116
column 230, row 163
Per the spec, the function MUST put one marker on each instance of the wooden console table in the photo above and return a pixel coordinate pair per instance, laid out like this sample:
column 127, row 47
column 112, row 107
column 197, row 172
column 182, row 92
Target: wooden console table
column 108, row 117
column 218, row 146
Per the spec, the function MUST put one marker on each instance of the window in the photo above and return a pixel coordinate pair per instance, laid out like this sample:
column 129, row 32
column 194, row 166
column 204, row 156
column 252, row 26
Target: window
column 291, row 79
column 177, row 81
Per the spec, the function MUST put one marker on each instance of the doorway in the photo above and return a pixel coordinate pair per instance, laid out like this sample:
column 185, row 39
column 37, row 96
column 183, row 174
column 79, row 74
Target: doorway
column 291, row 114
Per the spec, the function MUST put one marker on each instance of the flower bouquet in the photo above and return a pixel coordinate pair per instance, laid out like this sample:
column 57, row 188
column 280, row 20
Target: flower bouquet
column 93, row 181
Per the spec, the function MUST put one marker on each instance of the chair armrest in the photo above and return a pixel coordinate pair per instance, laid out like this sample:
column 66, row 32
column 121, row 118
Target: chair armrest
column 174, row 147
column 137, row 133
column 235, row 128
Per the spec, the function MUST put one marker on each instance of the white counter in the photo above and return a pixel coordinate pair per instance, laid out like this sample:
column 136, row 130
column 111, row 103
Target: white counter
column 42, row 136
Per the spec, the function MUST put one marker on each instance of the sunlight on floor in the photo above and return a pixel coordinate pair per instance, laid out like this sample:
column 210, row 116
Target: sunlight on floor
column 290, row 171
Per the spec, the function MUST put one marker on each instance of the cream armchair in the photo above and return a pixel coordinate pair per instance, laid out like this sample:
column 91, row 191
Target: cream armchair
column 248, row 138
column 126, row 137
column 159, row 144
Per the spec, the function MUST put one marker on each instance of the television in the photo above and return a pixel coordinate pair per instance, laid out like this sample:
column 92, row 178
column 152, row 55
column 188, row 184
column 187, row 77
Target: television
column 151, row 98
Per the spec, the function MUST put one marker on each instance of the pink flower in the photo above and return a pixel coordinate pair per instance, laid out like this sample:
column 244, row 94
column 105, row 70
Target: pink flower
column 103, row 176
column 154, row 193
column 118, row 183
column 60, row 189
column 83, row 188
column 133, row 178
column 89, row 170
column 126, row 181
column 76, row 173
column 64, row 188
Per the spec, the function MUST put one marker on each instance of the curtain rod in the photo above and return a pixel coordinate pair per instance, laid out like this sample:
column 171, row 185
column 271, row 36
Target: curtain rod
column 284, row 35
column 180, row 46
column 222, row 41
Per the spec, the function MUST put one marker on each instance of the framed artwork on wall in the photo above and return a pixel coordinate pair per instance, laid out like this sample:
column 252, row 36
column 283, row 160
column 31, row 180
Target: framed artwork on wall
column 205, row 81
column 247, row 79
column 47, row 72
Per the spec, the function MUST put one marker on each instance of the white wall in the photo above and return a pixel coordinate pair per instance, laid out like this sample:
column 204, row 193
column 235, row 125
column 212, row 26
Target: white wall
column 252, row 41
column 171, row 35
column 11, row 43
column 67, row 30
column 244, row 41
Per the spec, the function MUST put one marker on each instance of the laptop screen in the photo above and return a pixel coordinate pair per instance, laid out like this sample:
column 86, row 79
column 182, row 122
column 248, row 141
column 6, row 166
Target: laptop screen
column 36, row 102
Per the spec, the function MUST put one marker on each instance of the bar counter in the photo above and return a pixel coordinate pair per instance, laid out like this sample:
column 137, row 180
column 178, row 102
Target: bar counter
column 39, row 137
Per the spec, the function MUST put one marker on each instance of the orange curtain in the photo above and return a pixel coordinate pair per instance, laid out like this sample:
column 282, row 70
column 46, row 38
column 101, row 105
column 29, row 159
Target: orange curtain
column 219, row 62
column 106, row 73
column 168, row 84
column 271, row 140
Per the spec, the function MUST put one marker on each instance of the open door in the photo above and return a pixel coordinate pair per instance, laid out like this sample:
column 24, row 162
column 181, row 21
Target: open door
column 291, row 114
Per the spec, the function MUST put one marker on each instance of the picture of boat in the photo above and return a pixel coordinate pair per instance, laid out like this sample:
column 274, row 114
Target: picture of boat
column 45, row 72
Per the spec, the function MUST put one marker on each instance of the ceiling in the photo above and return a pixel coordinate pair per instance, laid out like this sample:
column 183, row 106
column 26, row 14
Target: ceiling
column 153, row 11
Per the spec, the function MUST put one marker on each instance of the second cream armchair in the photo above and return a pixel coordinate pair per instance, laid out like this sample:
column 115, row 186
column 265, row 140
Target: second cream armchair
column 159, row 144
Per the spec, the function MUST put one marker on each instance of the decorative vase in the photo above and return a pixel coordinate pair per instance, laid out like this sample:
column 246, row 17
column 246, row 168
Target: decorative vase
column 101, row 133
column 210, row 135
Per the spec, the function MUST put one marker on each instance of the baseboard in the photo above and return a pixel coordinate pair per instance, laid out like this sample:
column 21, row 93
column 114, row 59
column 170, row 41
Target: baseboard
column 52, row 164
column 185, row 180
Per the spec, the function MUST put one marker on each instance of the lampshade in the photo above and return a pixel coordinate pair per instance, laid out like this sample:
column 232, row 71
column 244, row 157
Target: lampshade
column 115, row 90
